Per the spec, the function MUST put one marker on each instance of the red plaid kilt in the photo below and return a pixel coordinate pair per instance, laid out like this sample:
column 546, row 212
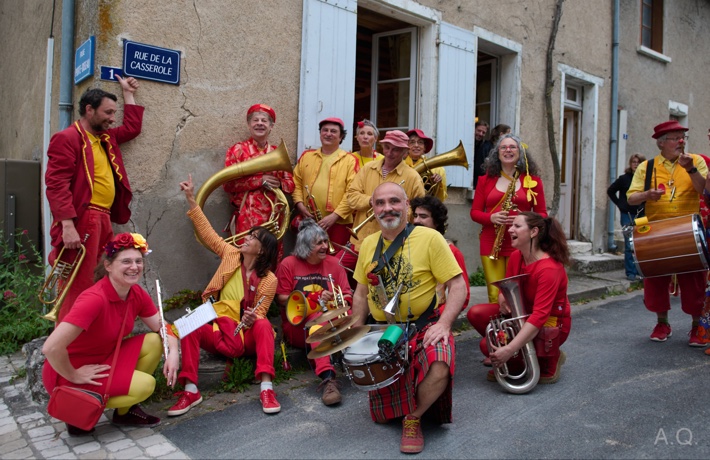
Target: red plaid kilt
column 398, row 399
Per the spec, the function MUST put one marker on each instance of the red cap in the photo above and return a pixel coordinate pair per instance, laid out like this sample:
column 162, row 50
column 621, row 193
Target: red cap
column 262, row 108
column 334, row 120
column 667, row 127
column 396, row 138
column 428, row 142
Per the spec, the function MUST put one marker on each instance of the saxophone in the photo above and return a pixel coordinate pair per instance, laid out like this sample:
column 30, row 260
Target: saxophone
column 506, row 205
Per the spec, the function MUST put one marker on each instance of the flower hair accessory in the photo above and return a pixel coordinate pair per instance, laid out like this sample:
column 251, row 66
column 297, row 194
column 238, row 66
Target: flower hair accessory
column 528, row 182
column 126, row 241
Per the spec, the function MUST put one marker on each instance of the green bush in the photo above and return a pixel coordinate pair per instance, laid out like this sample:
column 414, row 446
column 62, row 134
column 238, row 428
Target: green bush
column 20, row 282
column 477, row 278
column 184, row 298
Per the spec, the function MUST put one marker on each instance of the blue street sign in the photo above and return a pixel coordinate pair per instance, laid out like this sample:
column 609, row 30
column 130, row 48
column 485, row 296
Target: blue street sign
column 151, row 62
column 109, row 73
column 84, row 60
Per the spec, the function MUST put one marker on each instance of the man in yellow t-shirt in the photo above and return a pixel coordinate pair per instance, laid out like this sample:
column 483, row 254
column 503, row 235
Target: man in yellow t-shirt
column 416, row 258
column 678, row 180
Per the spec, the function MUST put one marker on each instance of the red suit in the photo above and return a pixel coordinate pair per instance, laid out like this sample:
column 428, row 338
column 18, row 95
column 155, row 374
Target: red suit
column 247, row 194
column 70, row 178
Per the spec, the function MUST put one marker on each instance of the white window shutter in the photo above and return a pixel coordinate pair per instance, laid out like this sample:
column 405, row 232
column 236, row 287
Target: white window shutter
column 327, row 68
column 457, row 98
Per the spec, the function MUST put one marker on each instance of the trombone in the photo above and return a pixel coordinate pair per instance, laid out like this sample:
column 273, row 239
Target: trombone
column 61, row 270
column 315, row 212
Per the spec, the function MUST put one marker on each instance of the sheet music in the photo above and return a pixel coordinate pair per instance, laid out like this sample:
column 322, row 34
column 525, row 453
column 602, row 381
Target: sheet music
column 195, row 319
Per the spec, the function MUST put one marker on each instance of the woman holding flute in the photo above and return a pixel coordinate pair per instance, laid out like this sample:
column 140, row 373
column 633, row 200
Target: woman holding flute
column 245, row 288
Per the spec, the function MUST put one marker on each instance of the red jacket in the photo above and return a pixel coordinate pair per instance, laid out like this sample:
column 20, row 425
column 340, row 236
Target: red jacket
column 70, row 171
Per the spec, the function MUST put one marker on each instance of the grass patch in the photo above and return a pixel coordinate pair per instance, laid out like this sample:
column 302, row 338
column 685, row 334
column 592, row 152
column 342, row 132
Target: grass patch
column 20, row 374
column 477, row 278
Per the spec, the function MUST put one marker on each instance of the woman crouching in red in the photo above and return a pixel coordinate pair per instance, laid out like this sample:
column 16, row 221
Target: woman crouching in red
column 541, row 254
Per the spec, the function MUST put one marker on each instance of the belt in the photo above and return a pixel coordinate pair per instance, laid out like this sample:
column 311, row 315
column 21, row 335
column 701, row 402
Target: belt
column 100, row 209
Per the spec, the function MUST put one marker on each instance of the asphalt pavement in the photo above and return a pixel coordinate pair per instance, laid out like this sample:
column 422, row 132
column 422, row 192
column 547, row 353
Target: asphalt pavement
column 620, row 396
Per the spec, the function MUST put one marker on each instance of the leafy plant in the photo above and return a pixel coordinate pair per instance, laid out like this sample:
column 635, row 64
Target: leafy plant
column 20, row 281
column 283, row 375
column 477, row 278
column 20, row 374
column 239, row 376
column 184, row 298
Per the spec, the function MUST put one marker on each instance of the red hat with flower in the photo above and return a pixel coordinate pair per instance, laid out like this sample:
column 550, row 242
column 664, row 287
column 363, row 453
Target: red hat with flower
column 124, row 241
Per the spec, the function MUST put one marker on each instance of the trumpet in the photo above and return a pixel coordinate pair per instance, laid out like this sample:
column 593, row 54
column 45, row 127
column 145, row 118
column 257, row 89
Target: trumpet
column 338, row 298
column 500, row 331
column 61, row 270
column 313, row 209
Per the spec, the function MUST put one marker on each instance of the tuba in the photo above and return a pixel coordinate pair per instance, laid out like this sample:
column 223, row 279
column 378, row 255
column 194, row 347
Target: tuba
column 501, row 331
column 66, row 272
column 276, row 160
column 455, row 157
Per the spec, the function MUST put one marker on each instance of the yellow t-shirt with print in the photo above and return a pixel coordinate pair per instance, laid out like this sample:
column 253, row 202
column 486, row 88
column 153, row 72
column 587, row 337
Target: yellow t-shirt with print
column 423, row 261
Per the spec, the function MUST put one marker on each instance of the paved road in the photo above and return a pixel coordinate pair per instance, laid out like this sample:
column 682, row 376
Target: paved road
column 620, row 396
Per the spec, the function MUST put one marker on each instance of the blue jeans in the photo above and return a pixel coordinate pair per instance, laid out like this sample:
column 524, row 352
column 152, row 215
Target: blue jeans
column 629, row 265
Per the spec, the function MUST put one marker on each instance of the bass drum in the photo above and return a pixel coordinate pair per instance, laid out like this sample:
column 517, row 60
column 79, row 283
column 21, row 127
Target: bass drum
column 670, row 246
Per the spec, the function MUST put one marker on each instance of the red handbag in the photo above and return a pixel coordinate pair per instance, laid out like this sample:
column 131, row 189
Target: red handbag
column 77, row 406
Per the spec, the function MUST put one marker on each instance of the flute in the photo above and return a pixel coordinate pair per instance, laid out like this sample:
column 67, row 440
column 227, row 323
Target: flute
column 241, row 324
column 163, row 328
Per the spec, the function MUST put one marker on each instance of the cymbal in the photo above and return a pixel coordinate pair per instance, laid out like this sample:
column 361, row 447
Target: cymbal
column 330, row 314
column 335, row 327
column 340, row 341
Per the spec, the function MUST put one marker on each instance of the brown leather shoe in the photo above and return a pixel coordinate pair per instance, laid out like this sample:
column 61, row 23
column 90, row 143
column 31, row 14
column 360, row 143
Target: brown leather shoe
column 331, row 391
column 135, row 417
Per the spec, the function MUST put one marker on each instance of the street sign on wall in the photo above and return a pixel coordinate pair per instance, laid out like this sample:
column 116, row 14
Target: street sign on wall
column 84, row 60
column 151, row 62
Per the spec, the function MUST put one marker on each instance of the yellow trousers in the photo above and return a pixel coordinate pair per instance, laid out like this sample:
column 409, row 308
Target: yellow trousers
column 493, row 270
column 142, row 382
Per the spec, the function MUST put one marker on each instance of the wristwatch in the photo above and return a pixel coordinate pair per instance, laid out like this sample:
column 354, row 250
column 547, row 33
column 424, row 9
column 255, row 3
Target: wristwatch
column 692, row 170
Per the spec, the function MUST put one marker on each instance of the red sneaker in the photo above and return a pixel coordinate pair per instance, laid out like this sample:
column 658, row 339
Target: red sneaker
column 185, row 402
column 269, row 402
column 661, row 332
column 694, row 340
column 412, row 437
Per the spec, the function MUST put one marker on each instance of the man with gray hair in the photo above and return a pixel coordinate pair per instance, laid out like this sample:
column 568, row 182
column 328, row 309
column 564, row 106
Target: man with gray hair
column 308, row 270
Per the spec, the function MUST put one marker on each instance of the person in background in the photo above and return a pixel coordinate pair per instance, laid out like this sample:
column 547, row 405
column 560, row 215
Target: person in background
column 80, row 350
column 325, row 174
column 481, row 148
column 419, row 145
column 497, row 132
column 617, row 194
column 250, row 195
column 430, row 212
column 366, row 135
column 87, row 184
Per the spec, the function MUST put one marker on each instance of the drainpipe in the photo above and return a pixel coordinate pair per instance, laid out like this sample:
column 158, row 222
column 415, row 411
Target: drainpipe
column 66, row 84
column 46, row 216
column 614, row 135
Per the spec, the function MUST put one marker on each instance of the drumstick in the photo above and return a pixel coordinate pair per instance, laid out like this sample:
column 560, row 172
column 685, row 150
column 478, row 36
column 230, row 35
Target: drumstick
column 655, row 181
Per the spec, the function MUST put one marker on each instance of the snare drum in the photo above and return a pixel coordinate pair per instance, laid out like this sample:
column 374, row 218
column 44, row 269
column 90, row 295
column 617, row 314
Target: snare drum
column 670, row 246
column 366, row 369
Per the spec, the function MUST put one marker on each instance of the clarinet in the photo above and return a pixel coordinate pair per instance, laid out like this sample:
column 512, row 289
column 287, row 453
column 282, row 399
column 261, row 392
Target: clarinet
column 241, row 324
column 163, row 328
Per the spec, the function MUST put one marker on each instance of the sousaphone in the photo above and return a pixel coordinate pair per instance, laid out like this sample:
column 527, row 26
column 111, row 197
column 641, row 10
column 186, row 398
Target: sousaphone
column 276, row 160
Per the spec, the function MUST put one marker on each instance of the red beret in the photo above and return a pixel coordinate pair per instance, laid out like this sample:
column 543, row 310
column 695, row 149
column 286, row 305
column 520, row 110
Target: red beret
column 262, row 108
column 428, row 142
column 667, row 127
column 334, row 120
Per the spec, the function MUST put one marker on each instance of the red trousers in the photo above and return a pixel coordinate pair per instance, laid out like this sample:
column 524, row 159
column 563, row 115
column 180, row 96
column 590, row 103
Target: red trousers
column 95, row 226
column 296, row 337
column 258, row 340
column 692, row 293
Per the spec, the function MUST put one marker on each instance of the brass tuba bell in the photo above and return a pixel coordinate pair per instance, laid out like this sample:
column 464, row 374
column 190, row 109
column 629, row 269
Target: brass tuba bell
column 276, row 160
column 455, row 157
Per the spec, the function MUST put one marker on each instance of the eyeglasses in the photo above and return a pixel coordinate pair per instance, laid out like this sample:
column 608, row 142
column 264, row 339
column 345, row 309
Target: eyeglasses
column 676, row 139
column 508, row 148
column 416, row 142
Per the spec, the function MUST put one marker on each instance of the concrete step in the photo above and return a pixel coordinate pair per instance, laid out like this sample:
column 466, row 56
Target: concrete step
column 579, row 247
column 596, row 263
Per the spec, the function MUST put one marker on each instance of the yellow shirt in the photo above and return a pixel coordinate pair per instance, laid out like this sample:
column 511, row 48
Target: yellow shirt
column 362, row 161
column 685, row 200
column 322, row 183
column 365, row 183
column 423, row 261
column 103, row 190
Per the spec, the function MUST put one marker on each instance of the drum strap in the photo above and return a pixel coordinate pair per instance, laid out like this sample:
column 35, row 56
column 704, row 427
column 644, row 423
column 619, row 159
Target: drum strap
column 383, row 260
column 646, row 186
